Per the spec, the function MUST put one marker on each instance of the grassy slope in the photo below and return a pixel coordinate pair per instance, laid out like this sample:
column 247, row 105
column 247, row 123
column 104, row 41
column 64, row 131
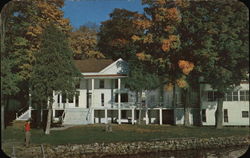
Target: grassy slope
column 121, row 133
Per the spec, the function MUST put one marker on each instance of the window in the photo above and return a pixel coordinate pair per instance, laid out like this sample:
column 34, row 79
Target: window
column 64, row 98
column 101, row 84
column 71, row 98
column 58, row 98
column 116, row 83
column 78, row 85
column 229, row 96
column 124, row 97
column 245, row 114
column 244, row 95
column 235, row 96
column 211, row 96
column 204, row 117
column 225, row 115
column 102, row 99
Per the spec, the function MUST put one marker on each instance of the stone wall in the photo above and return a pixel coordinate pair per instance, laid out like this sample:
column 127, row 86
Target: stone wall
column 104, row 149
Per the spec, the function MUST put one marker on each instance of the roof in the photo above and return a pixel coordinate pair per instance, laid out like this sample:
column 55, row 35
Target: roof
column 92, row 64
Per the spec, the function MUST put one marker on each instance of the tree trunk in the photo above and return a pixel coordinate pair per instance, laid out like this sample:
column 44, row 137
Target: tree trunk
column 219, row 113
column 186, row 109
column 38, row 116
column 2, row 120
column 47, row 130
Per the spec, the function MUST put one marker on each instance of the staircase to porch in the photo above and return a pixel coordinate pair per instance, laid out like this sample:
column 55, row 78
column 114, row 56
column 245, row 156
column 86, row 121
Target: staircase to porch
column 23, row 114
column 77, row 116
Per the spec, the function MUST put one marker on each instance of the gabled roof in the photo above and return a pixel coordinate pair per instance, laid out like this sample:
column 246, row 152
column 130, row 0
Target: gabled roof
column 92, row 64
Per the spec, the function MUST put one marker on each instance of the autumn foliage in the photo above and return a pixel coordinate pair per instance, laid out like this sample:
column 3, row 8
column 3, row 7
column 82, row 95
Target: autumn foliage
column 186, row 66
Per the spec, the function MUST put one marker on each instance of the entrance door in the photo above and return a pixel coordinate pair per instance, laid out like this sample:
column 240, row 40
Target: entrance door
column 168, row 117
column 89, row 96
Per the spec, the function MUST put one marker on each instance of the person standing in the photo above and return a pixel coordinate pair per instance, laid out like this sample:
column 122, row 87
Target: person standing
column 27, row 133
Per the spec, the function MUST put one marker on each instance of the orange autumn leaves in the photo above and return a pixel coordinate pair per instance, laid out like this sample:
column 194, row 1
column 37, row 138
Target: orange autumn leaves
column 186, row 66
column 172, row 42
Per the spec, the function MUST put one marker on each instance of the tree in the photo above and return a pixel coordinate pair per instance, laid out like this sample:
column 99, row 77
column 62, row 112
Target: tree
column 9, row 80
column 139, row 80
column 84, row 43
column 160, row 45
column 23, row 29
column 53, row 71
column 216, row 36
column 114, row 38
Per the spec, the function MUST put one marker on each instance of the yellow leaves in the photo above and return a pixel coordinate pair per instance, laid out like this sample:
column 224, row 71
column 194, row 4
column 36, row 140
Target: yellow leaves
column 182, row 83
column 166, row 45
column 94, row 54
column 34, row 31
column 168, row 87
column 182, row 3
column 160, row 2
column 173, row 14
column 186, row 66
column 120, row 42
column 148, row 38
column 83, row 43
column 142, row 24
column 135, row 38
column 169, row 29
column 172, row 42
column 167, row 14
column 142, row 56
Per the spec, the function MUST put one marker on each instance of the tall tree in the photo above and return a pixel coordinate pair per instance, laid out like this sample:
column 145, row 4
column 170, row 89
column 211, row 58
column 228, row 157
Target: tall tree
column 26, row 21
column 9, row 80
column 160, row 44
column 84, row 43
column 114, row 38
column 216, row 36
column 54, row 71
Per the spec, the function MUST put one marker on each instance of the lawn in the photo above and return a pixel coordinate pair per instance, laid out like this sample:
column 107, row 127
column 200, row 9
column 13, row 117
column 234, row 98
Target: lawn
column 121, row 133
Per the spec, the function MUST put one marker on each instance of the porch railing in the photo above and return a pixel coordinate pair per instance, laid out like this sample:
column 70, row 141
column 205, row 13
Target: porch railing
column 21, row 111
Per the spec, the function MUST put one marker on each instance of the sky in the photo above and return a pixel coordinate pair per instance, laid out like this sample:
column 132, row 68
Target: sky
column 95, row 11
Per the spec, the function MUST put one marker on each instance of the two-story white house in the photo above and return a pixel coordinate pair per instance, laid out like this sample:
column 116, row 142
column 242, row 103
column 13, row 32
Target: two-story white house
column 103, row 97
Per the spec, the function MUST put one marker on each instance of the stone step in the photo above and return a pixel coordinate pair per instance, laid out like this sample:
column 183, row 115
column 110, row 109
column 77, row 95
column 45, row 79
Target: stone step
column 76, row 116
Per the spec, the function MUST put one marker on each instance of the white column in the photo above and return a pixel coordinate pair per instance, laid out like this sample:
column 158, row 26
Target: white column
column 133, row 116
column 92, row 88
column 160, row 115
column 93, row 116
column 119, row 115
column 106, row 116
column 53, row 113
column 146, row 116
column 119, row 101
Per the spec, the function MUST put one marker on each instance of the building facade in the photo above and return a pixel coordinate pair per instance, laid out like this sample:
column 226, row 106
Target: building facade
column 102, row 97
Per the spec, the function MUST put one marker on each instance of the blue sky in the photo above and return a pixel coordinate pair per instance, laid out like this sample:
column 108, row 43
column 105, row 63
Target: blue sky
column 83, row 11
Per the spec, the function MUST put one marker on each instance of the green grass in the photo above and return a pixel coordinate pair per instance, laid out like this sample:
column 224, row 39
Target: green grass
column 121, row 133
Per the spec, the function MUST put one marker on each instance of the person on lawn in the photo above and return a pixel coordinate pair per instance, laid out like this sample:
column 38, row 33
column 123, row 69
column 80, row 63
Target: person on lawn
column 27, row 132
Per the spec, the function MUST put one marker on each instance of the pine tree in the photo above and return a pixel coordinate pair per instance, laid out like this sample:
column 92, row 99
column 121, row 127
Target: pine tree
column 53, row 70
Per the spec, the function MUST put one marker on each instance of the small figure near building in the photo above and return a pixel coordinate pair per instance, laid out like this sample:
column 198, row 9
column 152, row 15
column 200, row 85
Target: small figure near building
column 27, row 132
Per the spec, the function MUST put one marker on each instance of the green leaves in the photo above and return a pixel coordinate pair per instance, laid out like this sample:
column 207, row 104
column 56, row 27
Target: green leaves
column 54, row 69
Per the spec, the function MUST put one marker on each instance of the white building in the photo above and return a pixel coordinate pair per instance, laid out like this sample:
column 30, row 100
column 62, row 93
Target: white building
column 102, row 97
column 235, row 106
